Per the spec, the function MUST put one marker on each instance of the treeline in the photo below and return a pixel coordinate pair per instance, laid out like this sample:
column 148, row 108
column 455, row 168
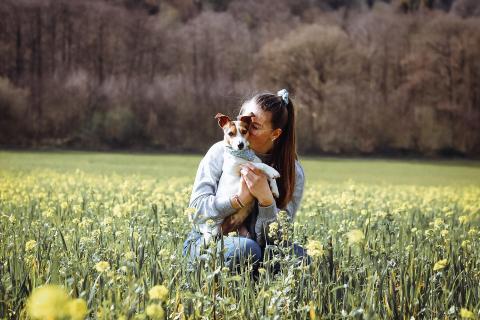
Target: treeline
column 368, row 77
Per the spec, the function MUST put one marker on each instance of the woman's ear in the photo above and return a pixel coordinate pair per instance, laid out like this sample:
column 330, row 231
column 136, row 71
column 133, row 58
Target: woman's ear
column 275, row 134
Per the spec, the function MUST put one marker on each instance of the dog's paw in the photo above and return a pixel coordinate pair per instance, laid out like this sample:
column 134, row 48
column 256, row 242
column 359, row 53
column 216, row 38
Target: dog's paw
column 272, row 173
column 274, row 187
column 275, row 174
column 269, row 171
column 275, row 193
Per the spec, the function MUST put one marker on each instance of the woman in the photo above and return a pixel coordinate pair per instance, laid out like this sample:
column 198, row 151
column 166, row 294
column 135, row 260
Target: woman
column 272, row 138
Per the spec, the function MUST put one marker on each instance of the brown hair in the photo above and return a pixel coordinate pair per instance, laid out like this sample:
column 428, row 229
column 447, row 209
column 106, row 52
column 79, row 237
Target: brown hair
column 284, row 151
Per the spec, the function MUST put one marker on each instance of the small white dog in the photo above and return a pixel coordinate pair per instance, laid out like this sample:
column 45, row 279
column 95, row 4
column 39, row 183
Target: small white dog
column 237, row 152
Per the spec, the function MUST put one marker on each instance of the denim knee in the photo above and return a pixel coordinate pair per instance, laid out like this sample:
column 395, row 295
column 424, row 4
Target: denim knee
column 300, row 252
column 242, row 248
column 253, row 248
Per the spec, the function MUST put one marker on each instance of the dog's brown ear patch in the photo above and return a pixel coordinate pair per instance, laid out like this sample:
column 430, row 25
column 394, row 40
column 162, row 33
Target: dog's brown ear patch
column 247, row 119
column 222, row 119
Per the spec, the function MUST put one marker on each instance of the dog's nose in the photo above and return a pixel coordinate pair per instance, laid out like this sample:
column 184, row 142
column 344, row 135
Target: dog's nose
column 240, row 145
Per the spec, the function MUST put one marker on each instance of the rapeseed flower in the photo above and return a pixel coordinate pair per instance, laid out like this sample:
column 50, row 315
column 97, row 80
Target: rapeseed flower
column 30, row 245
column 102, row 266
column 466, row 314
column 314, row 248
column 77, row 309
column 48, row 302
column 158, row 292
column 439, row 265
column 355, row 236
column 155, row 311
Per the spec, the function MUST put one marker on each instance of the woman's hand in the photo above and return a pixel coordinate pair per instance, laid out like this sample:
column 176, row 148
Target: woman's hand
column 235, row 220
column 245, row 195
column 257, row 184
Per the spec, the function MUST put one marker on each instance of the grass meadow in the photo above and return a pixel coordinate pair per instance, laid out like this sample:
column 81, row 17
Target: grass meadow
column 99, row 236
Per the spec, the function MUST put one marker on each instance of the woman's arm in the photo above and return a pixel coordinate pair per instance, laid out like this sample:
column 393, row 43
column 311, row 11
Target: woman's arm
column 203, row 198
column 268, row 214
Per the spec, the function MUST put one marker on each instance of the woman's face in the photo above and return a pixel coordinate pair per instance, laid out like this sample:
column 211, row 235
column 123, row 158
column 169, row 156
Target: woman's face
column 261, row 132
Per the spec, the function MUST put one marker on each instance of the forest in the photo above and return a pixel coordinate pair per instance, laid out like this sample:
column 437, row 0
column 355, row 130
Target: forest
column 399, row 77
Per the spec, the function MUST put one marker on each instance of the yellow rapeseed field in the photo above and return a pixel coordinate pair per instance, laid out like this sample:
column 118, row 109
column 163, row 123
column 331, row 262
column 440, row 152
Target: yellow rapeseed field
column 82, row 245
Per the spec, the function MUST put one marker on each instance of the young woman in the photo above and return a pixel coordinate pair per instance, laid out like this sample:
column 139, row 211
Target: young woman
column 272, row 138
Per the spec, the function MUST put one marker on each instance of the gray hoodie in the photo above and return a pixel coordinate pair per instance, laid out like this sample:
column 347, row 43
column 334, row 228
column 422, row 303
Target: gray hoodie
column 209, row 206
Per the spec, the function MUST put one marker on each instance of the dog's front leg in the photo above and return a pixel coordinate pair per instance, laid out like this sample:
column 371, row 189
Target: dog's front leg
column 274, row 187
column 271, row 174
column 269, row 171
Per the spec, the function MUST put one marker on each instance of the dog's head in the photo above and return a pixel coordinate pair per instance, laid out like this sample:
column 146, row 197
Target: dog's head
column 235, row 132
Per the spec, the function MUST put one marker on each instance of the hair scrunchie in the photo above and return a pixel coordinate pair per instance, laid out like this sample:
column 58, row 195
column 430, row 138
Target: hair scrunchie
column 284, row 95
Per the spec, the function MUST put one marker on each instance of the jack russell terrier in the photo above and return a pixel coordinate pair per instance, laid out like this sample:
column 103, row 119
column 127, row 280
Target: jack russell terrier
column 237, row 152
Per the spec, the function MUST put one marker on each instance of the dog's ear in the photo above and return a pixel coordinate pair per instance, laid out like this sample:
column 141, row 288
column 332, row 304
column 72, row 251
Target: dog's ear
column 246, row 119
column 222, row 119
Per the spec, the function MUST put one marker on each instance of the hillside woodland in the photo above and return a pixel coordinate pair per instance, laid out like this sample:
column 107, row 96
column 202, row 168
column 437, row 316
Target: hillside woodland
column 367, row 77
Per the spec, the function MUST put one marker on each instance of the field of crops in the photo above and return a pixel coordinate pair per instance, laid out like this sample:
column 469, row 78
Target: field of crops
column 388, row 240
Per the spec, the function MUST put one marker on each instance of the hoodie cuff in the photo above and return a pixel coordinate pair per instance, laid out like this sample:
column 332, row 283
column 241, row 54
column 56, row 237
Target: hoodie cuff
column 267, row 213
column 224, row 206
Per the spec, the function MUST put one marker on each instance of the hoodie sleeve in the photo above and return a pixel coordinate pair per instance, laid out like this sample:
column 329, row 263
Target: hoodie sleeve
column 203, row 198
column 267, row 215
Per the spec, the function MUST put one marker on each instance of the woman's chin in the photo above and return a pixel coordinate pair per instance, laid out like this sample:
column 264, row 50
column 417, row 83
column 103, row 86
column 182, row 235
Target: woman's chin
column 253, row 148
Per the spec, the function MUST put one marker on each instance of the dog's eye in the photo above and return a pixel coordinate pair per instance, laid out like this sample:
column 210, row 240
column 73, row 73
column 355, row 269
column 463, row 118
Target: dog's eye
column 244, row 131
column 230, row 134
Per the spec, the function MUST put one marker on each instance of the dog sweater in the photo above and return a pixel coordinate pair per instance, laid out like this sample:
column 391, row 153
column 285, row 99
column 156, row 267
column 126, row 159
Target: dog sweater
column 246, row 154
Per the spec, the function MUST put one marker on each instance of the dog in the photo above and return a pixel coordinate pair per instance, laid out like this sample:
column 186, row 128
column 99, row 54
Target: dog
column 237, row 152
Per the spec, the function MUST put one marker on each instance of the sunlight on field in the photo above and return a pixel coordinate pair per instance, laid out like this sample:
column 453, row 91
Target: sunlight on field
column 389, row 239
column 328, row 170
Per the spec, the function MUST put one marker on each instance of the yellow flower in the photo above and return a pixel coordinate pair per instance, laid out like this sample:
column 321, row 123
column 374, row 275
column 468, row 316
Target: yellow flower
column 472, row 232
column 107, row 221
column 47, row 213
column 465, row 244
column 102, row 266
column 158, row 292
column 437, row 223
column 164, row 253
column 77, row 309
column 355, row 236
column 440, row 265
column 190, row 212
column 30, row 245
column 155, row 311
column 117, row 211
column 463, row 219
column 100, row 313
column 129, row 255
column 465, row 313
column 273, row 229
column 47, row 302
column 311, row 308
column 314, row 248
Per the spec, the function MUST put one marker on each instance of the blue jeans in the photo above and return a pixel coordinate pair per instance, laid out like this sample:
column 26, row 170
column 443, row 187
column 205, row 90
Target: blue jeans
column 237, row 250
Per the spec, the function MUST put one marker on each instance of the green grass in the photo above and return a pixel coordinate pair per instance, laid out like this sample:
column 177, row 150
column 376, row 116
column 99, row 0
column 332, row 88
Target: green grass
column 389, row 239
column 329, row 170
